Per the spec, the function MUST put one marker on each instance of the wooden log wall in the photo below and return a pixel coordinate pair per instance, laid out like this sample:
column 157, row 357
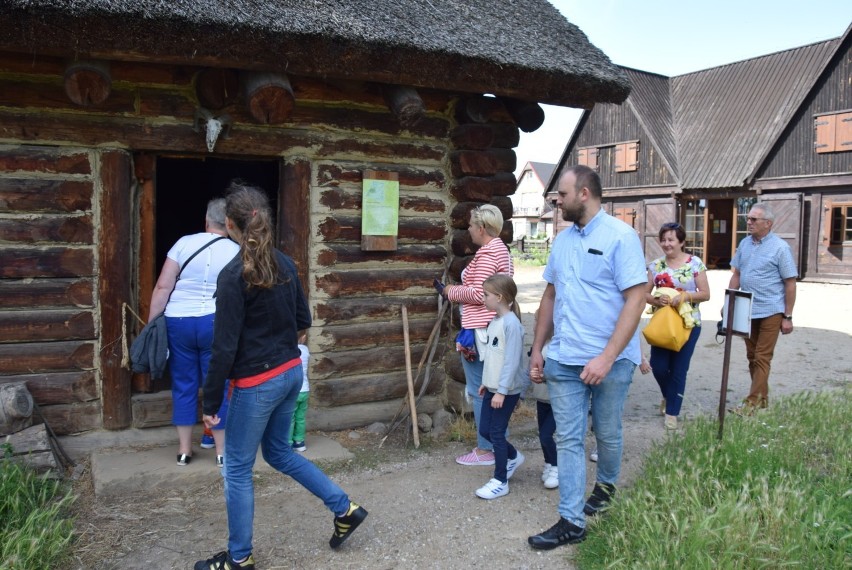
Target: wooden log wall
column 55, row 262
column 48, row 323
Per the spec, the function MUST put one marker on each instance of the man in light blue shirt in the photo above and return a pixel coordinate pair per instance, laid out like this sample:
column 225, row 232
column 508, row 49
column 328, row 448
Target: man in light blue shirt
column 595, row 295
column 764, row 266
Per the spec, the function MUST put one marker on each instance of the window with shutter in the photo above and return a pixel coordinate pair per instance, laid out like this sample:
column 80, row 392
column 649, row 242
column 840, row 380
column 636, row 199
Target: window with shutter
column 583, row 157
column 833, row 132
column 627, row 156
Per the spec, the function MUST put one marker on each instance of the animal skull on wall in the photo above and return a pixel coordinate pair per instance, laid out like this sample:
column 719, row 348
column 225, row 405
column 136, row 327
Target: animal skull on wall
column 214, row 126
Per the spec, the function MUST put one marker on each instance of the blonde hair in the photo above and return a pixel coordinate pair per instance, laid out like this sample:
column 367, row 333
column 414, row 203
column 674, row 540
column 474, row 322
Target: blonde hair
column 503, row 285
column 489, row 217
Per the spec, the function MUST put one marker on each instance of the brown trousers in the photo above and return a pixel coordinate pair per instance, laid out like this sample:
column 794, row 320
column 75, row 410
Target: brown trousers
column 760, row 347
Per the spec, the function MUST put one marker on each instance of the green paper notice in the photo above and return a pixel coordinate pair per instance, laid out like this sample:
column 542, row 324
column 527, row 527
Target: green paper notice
column 380, row 208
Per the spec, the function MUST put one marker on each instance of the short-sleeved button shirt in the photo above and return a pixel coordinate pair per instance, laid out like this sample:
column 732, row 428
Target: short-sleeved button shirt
column 763, row 267
column 590, row 268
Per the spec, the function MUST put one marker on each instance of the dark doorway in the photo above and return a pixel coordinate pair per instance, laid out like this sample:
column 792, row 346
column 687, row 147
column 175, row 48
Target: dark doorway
column 185, row 185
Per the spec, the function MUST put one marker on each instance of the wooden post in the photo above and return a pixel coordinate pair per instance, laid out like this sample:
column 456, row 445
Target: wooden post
column 88, row 83
column 411, row 400
column 269, row 97
column 114, row 278
column 726, row 363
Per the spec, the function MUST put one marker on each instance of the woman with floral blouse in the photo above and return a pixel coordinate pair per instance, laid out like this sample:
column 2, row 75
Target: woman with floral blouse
column 687, row 274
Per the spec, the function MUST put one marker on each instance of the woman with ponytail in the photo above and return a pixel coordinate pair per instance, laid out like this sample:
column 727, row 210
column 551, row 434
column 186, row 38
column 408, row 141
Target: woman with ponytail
column 260, row 311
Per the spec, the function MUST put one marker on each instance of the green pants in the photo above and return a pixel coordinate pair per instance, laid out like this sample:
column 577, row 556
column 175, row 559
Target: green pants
column 297, row 427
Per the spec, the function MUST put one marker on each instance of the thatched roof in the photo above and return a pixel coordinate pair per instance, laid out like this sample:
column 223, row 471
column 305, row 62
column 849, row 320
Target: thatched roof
column 516, row 48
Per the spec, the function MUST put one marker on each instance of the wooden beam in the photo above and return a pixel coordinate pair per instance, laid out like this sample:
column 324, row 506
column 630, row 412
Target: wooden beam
column 482, row 162
column 269, row 97
column 36, row 195
column 294, row 232
column 405, row 103
column 30, row 357
column 44, row 293
column 115, row 275
column 88, row 83
column 528, row 115
column 216, row 88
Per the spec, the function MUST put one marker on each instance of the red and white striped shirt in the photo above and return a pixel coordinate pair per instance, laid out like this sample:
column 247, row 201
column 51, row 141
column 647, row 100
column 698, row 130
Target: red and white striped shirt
column 491, row 258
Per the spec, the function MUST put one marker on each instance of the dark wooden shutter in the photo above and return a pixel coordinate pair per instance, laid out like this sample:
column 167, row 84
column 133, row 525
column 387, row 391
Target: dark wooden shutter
column 631, row 156
column 843, row 132
column 824, row 129
column 789, row 222
column 621, row 157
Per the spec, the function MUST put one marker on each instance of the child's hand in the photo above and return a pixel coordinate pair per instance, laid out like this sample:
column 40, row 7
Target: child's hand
column 644, row 368
column 497, row 401
column 481, row 391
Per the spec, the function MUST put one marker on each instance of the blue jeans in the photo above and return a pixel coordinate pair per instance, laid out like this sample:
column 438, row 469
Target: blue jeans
column 473, row 380
column 546, row 429
column 190, row 341
column 261, row 416
column 569, row 398
column 493, row 428
column 670, row 370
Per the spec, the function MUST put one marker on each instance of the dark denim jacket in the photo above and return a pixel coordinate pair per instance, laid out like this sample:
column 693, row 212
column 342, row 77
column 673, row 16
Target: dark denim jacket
column 255, row 329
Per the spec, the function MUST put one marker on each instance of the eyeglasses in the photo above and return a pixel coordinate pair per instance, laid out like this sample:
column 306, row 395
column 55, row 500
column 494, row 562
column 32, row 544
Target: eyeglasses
column 752, row 219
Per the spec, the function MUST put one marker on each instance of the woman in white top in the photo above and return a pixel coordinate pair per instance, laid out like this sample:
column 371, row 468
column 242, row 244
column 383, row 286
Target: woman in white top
column 185, row 290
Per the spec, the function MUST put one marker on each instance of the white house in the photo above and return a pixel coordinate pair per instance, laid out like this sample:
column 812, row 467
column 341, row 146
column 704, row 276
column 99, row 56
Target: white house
column 528, row 203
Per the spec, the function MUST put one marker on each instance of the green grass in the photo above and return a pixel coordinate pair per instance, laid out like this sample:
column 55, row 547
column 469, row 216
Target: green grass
column 776, row 492
column 35, row 530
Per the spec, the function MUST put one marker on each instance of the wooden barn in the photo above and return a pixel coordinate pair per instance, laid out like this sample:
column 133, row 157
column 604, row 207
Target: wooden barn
column 701, row 148
column 119, row 120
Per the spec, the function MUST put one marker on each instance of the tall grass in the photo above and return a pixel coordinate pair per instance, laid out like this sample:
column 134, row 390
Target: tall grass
column 34, row 531
column 776, row 492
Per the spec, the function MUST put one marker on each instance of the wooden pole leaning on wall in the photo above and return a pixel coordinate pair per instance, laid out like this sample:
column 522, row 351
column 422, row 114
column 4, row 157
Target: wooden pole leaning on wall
column 88, row 83
column 411, row 398
column 269, row 96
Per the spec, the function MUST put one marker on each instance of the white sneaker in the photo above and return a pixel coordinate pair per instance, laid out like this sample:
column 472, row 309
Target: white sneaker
column 593, row 456
column 513, row 464
column 545, row 472
column 552, row 480
column 492, row 490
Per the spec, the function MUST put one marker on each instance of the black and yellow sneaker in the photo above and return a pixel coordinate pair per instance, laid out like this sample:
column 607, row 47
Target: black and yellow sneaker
column 223, row 561
column 345, row 524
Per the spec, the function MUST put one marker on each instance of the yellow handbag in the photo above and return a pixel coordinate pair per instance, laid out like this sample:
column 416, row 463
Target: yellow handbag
column 666, row 329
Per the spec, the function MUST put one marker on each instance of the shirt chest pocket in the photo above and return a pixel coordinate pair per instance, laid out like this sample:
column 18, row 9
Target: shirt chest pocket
column 595, row 268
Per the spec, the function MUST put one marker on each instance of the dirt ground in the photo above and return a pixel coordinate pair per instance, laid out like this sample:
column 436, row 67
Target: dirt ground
column 423, row 511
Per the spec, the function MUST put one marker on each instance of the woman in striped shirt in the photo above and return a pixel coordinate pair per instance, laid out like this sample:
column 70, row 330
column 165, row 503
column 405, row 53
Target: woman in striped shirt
column 486, row 223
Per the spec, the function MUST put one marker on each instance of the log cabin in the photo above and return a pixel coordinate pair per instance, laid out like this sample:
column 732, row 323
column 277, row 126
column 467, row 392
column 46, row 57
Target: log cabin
column 701, row 148
column 119, row 120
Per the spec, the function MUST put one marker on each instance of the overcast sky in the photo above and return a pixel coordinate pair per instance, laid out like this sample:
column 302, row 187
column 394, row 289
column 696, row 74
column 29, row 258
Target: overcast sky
column 676, row 37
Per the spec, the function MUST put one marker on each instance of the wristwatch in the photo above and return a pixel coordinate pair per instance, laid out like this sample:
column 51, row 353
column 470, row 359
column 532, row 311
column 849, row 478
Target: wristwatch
column 788, row 317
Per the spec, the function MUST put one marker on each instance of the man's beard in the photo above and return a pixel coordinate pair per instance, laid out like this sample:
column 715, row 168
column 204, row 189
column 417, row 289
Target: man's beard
column 575, row 213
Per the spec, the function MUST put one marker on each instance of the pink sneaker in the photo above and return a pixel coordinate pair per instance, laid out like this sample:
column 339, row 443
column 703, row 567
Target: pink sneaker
column 473, row 459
